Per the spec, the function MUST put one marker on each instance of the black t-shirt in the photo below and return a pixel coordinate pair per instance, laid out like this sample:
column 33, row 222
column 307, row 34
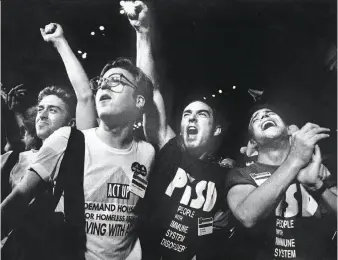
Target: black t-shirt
column 300, row 228
column 180, row 204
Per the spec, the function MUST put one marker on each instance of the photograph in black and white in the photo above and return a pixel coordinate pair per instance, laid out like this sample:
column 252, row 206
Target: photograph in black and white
column 164, row 130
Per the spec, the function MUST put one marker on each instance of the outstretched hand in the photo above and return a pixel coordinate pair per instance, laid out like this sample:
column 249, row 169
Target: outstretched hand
column 137, row 13
column 13, row 98
column 52, row 32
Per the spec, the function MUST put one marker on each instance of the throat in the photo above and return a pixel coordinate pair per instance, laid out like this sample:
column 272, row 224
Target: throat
column 273, row 155
column 118, row 137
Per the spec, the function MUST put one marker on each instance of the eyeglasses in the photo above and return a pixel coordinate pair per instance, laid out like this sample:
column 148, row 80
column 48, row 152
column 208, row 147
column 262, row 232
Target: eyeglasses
column 115, row 81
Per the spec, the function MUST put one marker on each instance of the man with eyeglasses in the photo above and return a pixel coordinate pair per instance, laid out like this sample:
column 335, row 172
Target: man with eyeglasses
column 186, row 193
column 116, row 165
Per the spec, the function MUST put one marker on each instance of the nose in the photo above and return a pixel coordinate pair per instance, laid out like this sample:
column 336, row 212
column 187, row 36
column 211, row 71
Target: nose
column 192, row 118
column 264, row 116
column 43, row 114
column 103, row 84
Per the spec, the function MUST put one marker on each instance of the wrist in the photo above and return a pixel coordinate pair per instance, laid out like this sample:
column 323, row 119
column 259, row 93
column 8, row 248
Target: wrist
column 143, row 34
column 295, row 163
column 59, row 42
column 316, row 192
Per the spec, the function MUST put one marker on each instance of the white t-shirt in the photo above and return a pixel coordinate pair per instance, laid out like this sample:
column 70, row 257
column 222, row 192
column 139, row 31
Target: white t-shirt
column 114, row 180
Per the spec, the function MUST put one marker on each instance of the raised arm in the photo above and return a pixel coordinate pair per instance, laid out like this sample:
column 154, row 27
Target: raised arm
column 250, row 204
column 85, row 110
column 13, row 115
column 155, row 124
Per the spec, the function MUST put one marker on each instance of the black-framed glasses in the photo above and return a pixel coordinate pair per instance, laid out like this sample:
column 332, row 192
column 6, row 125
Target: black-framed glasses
column 115, row 81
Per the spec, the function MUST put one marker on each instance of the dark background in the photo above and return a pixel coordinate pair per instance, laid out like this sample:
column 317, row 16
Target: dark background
column 286, row 48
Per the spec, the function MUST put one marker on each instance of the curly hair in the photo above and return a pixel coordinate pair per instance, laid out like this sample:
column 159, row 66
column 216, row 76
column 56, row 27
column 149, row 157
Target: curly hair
column 64, row 93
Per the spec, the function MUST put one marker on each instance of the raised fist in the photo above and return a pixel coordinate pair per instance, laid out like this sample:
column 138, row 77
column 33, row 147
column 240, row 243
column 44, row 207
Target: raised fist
column 137, row 13
column 52, row 33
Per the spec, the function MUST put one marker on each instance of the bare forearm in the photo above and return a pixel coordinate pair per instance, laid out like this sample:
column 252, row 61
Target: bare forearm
column 330, row 199
column 75, row 71
column 144, row 56
column 16, row 203
column 262, row 201
column 85, row 110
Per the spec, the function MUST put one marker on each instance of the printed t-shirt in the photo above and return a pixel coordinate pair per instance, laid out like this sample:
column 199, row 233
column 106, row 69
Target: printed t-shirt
column 298, row 229
column 114, row 181
column 181, row 201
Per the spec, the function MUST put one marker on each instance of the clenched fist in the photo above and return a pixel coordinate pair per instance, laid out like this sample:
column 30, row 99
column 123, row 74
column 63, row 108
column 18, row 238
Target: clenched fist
column 138, row 15
column 52, row 33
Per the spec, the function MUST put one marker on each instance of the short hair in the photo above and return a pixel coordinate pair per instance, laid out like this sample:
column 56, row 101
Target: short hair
column 264, row 105
column 67, row 95
column 143, row 83
column 218, row 108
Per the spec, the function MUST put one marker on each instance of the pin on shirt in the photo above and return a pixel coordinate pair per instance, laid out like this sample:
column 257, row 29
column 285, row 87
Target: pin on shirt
column 139, row 183
column 205, row 226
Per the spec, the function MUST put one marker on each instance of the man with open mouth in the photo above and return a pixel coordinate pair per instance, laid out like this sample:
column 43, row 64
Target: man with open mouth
column 116, row 164
column 286, row 199
column 185, row 194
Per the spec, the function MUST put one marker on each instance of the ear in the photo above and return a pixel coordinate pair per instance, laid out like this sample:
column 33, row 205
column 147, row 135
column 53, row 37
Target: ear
column 72, row 123
column 140, row 101
column 251, row 148
column 218, row 130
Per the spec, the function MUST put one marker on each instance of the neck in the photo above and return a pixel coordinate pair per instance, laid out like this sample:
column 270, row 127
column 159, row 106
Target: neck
column 118, row 136
column 200, row 154
column 274, row 155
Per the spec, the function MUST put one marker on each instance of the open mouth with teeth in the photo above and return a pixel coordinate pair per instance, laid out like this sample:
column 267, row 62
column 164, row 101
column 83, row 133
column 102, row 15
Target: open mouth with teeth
column 266, row 125
column 192, row 130
column 105, row 97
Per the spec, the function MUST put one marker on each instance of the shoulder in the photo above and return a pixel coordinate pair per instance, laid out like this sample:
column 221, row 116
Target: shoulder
column 173, row 145
column 145, row 147
column 56, row 142
column 239, row 176
column 61, row 133
column 89, row 131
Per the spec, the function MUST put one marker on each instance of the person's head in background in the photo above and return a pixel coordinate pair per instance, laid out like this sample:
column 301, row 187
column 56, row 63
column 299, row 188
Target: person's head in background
column 56, row 108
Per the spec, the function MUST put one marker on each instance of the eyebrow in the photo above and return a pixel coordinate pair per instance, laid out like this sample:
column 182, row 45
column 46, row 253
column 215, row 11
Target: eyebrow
column 204, row 110
column 198, row 111
column 256, row 114
column 50, row 106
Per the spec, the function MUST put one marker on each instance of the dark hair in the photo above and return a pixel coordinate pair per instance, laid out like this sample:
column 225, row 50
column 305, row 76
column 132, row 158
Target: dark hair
column 218, row 109
column 64, row 93
column 262, row 105
column 143, row 83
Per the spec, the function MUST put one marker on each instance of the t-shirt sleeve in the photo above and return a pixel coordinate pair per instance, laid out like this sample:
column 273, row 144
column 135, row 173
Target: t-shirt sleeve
column 235, row 177
column 51, row 154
